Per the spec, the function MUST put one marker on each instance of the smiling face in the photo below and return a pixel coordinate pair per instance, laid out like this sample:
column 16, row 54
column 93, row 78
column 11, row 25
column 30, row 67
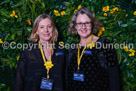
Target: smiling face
column 45, row 30
column 83, row 25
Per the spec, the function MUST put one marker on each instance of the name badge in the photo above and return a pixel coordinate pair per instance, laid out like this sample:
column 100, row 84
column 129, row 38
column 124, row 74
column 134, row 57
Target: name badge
column 46, row 84
column 88, row 52
column 59, row 53
column 78, row 76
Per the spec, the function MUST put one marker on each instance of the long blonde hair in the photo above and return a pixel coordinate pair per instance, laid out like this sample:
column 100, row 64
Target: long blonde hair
column 34, row 37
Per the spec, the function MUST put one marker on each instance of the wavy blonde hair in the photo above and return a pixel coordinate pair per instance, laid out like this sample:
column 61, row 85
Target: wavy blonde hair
column 95, row 22
column 34, row 37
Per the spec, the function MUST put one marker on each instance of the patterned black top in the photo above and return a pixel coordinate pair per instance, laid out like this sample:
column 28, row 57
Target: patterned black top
column 99, row 65
column 31, row 69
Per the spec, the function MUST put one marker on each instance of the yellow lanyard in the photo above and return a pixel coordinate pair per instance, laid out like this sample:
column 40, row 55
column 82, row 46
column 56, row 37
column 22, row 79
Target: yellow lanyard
column 48, row 64
column 80, row 56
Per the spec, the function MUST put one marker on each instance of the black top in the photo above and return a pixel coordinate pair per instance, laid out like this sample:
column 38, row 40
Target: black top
column 99, row 67
column 31, row 69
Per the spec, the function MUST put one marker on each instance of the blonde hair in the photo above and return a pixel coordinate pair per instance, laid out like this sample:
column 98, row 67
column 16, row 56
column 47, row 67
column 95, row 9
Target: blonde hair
column 34, row 37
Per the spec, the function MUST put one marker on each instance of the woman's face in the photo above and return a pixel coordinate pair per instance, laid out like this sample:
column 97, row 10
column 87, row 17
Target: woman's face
column 45, row 30
column 83, row 25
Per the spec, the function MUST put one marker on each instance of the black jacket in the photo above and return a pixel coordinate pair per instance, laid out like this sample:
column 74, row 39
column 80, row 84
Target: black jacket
column 110, row 66
column 31, row 69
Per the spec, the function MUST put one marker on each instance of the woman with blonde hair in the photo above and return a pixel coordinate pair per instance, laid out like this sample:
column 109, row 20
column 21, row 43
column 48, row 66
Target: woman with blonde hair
column 42, row 68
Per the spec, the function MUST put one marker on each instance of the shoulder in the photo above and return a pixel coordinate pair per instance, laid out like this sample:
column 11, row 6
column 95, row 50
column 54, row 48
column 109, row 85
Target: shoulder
column 29, row 48
column 103, row 43
column 59, row 49
column 72, row 49
column 102, row 40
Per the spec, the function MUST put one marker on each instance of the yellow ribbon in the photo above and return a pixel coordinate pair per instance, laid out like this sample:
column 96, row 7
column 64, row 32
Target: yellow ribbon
column 48, row 64
column 80, row 56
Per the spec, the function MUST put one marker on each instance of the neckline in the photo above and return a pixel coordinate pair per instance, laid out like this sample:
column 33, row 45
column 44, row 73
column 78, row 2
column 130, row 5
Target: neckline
column 53, row 55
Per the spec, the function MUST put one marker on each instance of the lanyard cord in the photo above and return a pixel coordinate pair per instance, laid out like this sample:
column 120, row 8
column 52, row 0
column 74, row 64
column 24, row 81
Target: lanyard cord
column 80, row 56
column 48, row 64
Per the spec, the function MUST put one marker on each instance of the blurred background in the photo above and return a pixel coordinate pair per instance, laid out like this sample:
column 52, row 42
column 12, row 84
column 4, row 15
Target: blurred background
column 16, row 20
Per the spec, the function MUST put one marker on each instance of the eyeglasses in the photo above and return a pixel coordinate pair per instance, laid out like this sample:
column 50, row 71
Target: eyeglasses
column 87, row 24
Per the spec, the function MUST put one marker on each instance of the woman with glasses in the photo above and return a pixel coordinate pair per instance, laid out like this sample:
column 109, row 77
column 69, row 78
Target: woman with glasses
column 41, row 68
column 92, row 66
